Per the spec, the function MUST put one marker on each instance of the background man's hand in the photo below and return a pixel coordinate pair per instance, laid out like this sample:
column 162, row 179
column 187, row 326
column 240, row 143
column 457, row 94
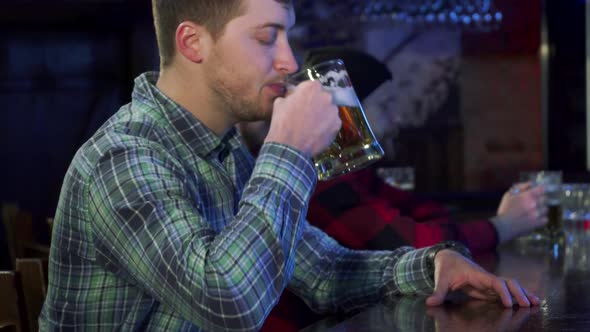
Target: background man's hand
column 523, row 209
column 306, row 119
column 454, row 272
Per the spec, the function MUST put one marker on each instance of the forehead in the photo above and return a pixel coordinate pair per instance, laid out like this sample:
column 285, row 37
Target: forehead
column 260, row 12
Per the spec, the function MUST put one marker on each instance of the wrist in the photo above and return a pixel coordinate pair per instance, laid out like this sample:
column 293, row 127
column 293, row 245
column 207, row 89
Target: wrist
column 502, row 228
column 444, row 248
column 286, row 140
column 441, row 254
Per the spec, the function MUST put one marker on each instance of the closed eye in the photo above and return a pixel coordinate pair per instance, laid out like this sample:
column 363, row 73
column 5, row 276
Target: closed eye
column 267, row 36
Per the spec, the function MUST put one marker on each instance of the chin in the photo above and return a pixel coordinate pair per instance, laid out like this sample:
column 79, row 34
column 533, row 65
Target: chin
column 266, row 112
column 260, row 111
column 266, row 116
column 258, row 115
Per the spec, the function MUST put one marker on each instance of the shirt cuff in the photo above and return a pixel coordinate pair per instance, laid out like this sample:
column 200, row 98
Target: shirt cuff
column 411, row 275
column 288, row 166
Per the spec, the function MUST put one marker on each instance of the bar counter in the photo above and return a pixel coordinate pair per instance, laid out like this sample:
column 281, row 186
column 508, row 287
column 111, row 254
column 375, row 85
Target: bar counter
column 559, row 273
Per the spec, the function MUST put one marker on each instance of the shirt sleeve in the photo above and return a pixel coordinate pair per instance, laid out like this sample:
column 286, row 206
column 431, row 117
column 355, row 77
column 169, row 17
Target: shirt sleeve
column 149, row 230
column 360, row 211
column 331, row 278
column 434, row 223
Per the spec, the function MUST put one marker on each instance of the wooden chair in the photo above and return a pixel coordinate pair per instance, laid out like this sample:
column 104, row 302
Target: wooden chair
column 9, row 213
column 34, row 286
column 12, row 308
column 19, row 236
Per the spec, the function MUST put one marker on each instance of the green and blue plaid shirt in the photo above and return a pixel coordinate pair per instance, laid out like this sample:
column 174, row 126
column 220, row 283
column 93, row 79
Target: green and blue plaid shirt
column 162, row 225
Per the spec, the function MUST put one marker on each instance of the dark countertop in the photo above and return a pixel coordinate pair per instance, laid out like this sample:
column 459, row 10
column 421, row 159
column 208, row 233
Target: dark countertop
column 559, row 273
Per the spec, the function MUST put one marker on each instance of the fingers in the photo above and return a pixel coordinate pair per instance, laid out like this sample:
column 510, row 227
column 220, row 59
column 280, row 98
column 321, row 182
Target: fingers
column 506, row 289
column 436, row 313
column 518, row 293
column 501, row 290
column 520, row 187
column 538, row 192
column 535, row 203
column 542, row 212
column 469, row 278
column 436, row 299
column 534, row 299
column 439, row 295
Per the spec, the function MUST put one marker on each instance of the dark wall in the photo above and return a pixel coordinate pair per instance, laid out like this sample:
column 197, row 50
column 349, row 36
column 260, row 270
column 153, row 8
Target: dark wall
column 64, row 69
column 566, row 118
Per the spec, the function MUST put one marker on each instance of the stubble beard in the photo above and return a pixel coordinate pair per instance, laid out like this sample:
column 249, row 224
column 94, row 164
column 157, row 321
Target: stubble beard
column 230, row 92
column 233, row 103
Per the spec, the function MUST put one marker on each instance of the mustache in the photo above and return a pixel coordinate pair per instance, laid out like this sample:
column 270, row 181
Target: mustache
column 279, row 80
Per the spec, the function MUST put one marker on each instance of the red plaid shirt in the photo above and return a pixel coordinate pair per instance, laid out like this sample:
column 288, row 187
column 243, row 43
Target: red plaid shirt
column 362, row 212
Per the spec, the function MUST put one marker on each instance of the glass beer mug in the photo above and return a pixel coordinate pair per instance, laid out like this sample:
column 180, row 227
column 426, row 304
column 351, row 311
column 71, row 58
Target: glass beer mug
column 551, row 181
column 355, row 145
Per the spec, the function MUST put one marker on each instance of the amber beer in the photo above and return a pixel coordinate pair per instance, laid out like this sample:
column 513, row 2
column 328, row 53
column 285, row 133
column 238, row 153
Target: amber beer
column 554, row 213
column 355, row 145
column 351, row 133
column 555, row 223
column 551, row 181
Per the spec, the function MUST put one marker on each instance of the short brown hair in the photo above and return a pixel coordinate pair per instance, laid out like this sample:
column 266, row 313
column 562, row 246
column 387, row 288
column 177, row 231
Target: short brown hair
column 212, row 14
column 168, row 14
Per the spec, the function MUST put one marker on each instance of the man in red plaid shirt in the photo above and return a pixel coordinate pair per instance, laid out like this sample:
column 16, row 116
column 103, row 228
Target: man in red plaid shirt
column 361, row 211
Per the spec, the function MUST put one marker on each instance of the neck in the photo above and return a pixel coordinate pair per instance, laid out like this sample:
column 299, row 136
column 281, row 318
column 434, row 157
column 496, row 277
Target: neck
column 190, row 91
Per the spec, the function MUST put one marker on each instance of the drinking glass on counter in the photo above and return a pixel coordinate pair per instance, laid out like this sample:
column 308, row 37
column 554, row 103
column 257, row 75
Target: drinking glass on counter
column 576, row 217
column 575, row 200
column 551, row 181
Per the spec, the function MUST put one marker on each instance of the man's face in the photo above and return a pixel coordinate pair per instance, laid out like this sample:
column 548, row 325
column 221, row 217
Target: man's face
column 249, row 62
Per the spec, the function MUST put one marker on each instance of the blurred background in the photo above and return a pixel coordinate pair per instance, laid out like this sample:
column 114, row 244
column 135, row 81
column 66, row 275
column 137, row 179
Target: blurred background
column 481, row 91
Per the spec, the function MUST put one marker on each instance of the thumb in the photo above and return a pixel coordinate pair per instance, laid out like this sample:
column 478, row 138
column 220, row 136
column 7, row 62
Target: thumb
column 289, row 90
column 439, row 295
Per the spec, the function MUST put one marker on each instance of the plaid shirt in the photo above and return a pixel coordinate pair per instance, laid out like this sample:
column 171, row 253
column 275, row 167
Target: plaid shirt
column 360, row 211
column 162, row 225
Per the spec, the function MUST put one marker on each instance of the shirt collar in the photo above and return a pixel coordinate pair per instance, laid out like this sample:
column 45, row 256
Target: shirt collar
column 191, row 130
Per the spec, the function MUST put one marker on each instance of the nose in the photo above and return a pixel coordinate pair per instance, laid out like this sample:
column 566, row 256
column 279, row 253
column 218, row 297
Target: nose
column 285, row 62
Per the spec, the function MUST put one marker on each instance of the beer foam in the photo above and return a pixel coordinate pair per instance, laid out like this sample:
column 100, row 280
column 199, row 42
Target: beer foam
column 344, row 96
column 333, row 78
column 338, row 83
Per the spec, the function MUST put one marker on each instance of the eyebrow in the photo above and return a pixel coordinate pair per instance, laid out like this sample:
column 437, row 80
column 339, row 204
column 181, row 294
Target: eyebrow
column 277, row 26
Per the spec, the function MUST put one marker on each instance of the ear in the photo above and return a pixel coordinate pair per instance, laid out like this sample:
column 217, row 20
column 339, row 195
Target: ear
column 192, row 41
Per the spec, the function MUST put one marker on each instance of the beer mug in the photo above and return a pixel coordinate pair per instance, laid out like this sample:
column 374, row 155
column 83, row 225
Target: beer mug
column 551, row 181
column 355, row 145
column 574, row 201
